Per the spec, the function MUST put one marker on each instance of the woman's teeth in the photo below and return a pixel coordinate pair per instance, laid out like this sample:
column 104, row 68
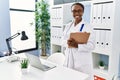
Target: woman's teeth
column 76, row 16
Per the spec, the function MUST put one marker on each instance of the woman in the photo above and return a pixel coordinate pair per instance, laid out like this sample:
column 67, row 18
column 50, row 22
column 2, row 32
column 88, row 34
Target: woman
column 79, row 57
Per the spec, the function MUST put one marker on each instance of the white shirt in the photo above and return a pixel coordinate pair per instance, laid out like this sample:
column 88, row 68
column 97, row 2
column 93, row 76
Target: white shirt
column 79, row 58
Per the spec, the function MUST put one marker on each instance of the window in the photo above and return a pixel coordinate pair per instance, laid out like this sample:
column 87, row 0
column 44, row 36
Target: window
column 21, row 16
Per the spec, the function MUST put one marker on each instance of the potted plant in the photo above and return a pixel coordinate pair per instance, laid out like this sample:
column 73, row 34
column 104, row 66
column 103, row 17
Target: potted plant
column 42, row 20
column 24, row 65
column 101, row 65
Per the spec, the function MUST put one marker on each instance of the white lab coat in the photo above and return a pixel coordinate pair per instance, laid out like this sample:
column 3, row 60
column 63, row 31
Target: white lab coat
column 79, row 58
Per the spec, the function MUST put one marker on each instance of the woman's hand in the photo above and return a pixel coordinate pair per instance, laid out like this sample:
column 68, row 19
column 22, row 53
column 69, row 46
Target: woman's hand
column 71, row 42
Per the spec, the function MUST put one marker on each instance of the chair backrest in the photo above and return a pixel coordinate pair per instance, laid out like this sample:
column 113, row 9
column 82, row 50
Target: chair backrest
column 116, row 77
column 57, row 58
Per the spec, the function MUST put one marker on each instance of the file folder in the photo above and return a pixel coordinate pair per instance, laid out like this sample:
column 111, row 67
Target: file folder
column 108, row 41
column 99, row 15
column 80, row 37
column 97, row 38
column 102, row 39
column 94, row 19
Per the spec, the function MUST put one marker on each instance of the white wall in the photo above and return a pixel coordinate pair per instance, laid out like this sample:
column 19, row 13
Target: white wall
column 4, row 24
column 116, row 39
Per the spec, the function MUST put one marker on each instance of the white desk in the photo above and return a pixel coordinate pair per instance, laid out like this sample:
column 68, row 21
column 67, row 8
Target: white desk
column 12, row 71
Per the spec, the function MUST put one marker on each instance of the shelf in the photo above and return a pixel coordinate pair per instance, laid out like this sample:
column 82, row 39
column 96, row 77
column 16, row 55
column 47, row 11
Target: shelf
column 100, row 57
column 106, row 35
column 104, row 71
column 103, row 52
column 56, row 44
column 101, row 73
column 55, row 48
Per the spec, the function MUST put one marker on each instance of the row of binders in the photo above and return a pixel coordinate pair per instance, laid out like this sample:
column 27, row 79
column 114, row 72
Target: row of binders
column 103, row 40
column 56, row 16
column 56, row 35
column 61, row 14
column 102, row 13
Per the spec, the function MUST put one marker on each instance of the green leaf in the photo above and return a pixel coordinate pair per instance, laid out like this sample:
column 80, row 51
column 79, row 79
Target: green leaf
column 24, row 63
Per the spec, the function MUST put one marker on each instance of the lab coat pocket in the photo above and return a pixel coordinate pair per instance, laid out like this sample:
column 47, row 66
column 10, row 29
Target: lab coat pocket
column 82, row 59
column 86, row 68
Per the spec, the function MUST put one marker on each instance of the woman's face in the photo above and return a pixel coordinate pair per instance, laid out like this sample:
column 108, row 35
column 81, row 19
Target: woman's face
column 77, row 12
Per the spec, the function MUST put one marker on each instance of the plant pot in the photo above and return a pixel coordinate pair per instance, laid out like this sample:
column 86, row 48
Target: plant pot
column 24, row 70
column 102, row 67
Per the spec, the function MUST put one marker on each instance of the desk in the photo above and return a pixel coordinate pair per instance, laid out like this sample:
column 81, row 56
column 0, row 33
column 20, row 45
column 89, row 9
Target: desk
column 12, row 71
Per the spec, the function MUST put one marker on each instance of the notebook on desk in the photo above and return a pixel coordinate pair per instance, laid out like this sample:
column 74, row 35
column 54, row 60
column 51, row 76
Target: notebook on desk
column 36, row 62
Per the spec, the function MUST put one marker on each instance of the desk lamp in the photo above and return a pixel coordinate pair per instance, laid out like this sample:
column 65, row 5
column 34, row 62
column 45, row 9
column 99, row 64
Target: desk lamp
column 23, row 37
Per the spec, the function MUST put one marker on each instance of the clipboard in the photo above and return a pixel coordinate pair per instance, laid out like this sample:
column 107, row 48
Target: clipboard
column 80, row 37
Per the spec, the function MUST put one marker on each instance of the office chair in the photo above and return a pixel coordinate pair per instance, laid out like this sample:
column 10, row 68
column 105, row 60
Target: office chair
column 116, row 77
column 57, row 58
